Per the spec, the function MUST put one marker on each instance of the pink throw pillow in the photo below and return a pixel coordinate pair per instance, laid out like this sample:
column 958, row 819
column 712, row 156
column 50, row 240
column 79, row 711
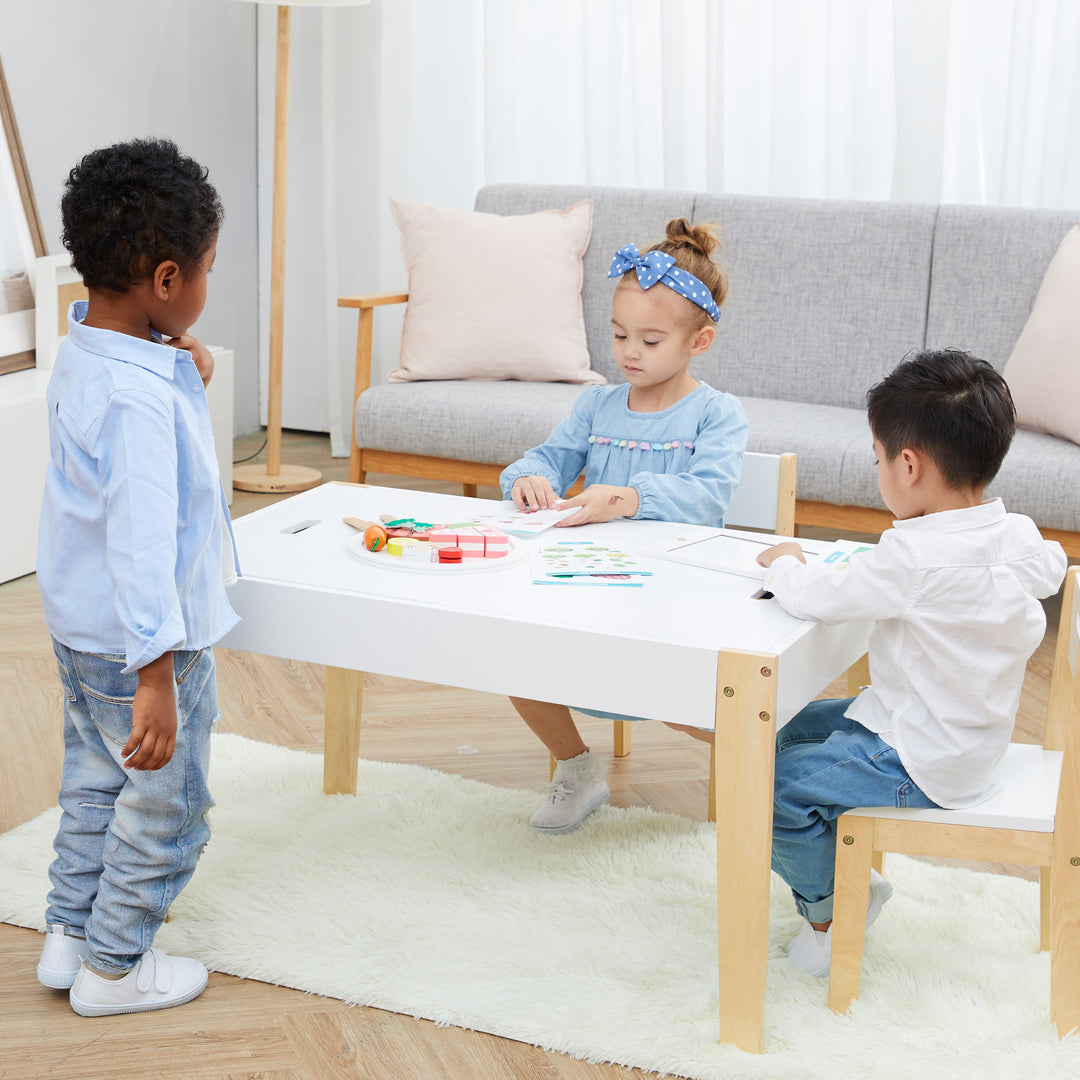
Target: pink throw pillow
column 493, row 297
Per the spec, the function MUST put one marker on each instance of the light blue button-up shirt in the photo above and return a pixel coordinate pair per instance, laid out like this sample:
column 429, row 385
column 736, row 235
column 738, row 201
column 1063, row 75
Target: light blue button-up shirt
column 134, row 520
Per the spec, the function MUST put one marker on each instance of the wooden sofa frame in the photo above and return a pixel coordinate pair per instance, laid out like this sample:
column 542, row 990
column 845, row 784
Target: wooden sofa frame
column 471, row 474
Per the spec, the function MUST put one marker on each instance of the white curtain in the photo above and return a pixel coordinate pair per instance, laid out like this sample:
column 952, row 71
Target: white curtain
column 973, row 101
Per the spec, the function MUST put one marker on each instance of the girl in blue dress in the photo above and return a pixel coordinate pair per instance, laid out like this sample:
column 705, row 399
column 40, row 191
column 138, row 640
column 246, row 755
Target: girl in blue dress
column 662, row 445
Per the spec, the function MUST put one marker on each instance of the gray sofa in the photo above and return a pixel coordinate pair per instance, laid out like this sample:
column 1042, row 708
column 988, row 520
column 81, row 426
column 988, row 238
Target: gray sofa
column 825, row 298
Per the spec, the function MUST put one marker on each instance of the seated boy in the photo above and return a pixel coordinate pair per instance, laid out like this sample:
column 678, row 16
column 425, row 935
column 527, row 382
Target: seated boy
column 954, row 590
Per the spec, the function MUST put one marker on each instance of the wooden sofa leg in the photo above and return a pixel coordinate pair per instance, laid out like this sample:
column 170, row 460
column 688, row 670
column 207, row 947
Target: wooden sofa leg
column 468, row 490
column 849, row 908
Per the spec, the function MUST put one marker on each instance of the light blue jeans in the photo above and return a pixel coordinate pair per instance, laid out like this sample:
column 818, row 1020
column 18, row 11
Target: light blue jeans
column 128, row 840
column 827, row 764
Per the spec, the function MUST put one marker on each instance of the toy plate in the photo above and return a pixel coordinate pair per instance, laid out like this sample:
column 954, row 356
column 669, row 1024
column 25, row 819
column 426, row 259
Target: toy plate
column 467, row 566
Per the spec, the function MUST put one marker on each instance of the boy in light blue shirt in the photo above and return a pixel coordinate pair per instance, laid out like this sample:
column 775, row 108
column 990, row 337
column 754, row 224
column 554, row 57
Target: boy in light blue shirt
column 134, row 554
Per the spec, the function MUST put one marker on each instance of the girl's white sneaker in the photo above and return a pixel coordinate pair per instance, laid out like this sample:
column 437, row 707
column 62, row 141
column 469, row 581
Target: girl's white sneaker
column 61, row 956
column 157, row 981
column 576, row 790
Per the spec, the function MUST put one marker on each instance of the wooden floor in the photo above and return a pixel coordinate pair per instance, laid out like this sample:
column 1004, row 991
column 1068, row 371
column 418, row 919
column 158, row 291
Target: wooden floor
column 244, row 1029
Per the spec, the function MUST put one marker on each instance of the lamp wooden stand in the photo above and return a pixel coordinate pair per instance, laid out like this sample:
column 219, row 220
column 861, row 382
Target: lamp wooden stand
column 273, row 476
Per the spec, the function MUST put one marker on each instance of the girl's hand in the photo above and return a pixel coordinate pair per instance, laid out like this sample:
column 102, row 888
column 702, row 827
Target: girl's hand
column 533, row 493
column 153, row 719
column 600, row 502
column 770, row 555
column 204, row 360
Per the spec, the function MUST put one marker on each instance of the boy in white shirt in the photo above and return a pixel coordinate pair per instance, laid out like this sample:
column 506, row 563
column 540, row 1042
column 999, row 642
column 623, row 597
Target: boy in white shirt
column 954, row 589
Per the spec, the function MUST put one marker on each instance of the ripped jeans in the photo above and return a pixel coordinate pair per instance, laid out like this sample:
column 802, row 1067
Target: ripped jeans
column 128, row 840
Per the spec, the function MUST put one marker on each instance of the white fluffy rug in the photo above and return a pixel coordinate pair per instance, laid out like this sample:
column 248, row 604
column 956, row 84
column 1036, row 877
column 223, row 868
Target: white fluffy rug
column 427, row 895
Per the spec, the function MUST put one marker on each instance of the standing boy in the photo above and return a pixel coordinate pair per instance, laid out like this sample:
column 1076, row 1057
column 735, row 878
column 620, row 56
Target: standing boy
column 954, row 589
column 134, row 553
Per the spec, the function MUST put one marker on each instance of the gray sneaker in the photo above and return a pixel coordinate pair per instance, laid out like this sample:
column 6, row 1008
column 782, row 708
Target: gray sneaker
column 576, row 790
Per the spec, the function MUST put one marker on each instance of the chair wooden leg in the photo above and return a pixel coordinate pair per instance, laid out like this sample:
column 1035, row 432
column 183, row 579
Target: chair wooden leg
column 552, row 763
column 711, row 809
column 854, row 847
column 1064, row 943
column 622, row 737
column 1045, row 896
column 877, row 861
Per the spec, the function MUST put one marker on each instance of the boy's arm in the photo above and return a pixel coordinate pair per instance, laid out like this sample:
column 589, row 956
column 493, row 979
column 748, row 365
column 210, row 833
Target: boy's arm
column 135, row 448
column 153, row 719
column 873, row 584
column 561, row 457
column 701, row 493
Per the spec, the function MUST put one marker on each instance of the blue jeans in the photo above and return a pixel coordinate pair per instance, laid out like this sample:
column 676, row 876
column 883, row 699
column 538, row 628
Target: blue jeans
column 827, row 764
column 128, row 840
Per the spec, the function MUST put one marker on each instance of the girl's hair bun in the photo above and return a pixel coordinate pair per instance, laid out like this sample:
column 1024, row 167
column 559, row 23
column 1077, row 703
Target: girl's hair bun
column 694, row 248
column 702, row 238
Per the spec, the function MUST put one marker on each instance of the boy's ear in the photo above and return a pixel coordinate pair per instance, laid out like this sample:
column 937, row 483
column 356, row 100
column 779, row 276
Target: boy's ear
column 166, row 278
column 915, row 464
column 702, row 340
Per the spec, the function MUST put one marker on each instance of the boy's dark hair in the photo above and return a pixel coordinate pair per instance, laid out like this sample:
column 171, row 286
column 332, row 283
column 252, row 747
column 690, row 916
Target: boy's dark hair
column 129, row 207
column 953, row 407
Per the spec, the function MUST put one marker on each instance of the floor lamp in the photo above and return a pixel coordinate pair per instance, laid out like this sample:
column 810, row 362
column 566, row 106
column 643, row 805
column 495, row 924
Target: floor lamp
column 273, row 476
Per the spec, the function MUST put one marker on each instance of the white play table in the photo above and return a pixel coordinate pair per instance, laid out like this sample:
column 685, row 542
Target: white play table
column 692, row 646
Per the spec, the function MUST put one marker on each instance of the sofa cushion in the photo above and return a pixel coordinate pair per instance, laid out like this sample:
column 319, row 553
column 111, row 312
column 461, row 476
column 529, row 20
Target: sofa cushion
column 826, row 296
column 988, row 264
column 1043, row 371
column 823, row 437
column 620, row 216
column 490, row 422
column 493, row 297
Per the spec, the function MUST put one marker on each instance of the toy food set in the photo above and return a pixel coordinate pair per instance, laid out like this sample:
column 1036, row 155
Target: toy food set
column 429, row 542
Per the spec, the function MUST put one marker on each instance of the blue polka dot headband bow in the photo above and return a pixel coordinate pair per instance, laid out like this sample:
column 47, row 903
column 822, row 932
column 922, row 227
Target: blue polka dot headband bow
column 656, row 266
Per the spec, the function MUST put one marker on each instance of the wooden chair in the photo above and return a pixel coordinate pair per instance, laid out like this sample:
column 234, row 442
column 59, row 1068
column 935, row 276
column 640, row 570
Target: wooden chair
column 1033, row 821
column 764, row 499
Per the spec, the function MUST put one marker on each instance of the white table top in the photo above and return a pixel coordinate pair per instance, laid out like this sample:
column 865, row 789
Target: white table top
column 301, row 592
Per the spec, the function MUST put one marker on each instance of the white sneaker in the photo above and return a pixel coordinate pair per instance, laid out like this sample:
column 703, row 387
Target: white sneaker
column 157, row 981
column 576, row 790
column 811, row 950
column 61, row 956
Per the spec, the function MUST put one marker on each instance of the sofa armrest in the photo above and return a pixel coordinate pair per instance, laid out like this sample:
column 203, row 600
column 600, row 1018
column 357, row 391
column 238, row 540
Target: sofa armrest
column 370, row 300
column 366, row 305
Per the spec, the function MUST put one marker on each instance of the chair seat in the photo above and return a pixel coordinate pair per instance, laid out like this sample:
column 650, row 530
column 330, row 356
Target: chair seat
column 1026, row 800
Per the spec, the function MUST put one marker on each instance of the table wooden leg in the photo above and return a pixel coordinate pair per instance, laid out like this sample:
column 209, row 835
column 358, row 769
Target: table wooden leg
column 743, row 754
column 622, row 737
column 341, row 729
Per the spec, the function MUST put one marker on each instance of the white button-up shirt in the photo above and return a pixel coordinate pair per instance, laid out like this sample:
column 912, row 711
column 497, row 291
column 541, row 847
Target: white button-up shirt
column 955, row 596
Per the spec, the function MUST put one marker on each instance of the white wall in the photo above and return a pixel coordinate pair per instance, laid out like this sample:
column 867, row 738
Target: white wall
column 83, row 75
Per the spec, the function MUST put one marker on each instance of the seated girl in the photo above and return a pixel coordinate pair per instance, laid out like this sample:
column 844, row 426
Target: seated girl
column 661, row 445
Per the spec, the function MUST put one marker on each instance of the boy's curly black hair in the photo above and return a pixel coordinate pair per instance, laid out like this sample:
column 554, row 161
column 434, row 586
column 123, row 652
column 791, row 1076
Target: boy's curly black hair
column 129, row 207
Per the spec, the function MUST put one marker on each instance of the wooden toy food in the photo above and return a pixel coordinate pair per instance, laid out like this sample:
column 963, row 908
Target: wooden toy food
column 375, row 537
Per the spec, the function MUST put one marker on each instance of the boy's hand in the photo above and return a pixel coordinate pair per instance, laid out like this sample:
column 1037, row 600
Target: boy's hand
column 600, row 502
column 533, row 493
column 204, row 360
column 770, row 555
column 153, row 719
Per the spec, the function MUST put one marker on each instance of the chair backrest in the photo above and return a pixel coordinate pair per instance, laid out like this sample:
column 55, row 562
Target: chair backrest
column 1063, row 696
column 765, row 497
